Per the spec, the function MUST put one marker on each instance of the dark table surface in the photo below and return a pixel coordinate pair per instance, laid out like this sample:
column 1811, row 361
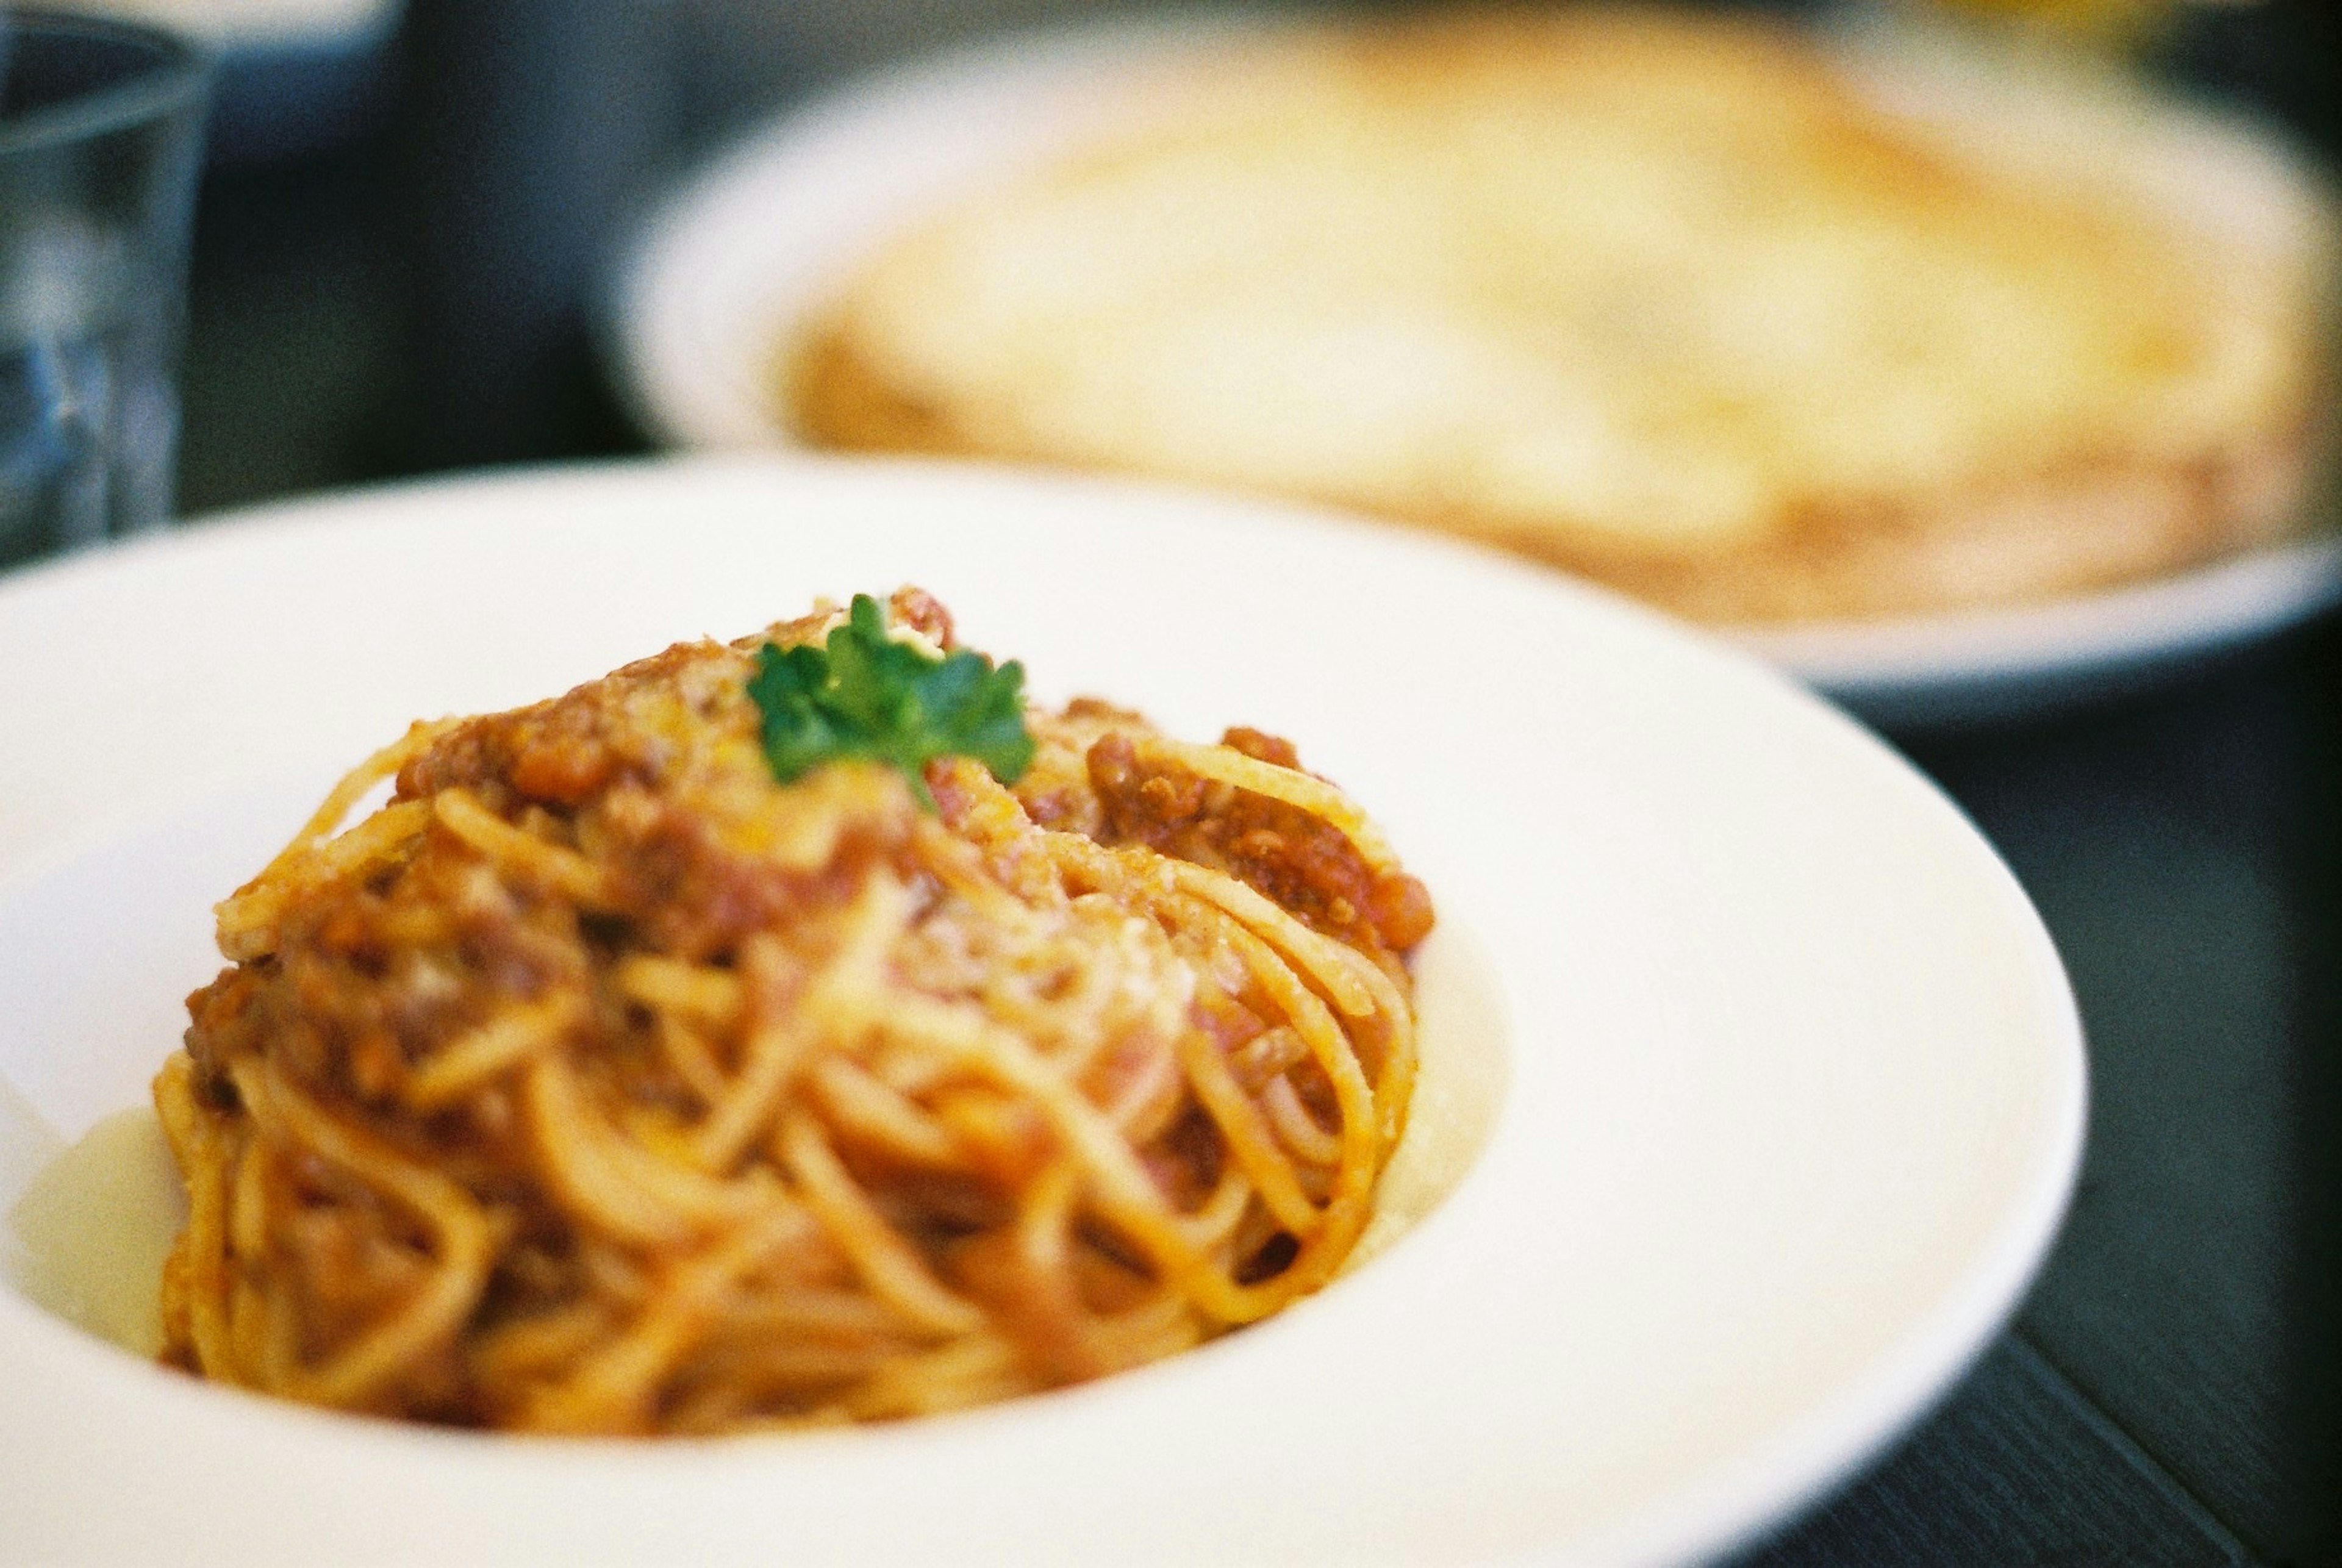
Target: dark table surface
column 418, row 294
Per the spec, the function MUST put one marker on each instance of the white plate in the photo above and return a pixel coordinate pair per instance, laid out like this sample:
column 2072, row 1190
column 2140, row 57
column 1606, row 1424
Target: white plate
column 1943, row 672
column 237, row 24
column 1796, row 1087
column 723, row 269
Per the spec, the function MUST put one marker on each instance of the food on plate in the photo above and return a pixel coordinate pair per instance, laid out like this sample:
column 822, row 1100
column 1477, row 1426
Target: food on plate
column 1756, row 325
column 794, row 1031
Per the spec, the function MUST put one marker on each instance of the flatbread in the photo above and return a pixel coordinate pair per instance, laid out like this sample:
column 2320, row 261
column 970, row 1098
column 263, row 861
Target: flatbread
column 1700, row 307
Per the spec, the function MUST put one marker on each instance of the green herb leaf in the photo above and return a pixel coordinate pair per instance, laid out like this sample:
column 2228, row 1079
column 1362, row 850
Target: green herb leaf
column 864, row 695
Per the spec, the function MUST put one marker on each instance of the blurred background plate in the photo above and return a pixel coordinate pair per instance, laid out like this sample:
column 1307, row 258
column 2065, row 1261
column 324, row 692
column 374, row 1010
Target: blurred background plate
column 728, row 263
column 1953, row 671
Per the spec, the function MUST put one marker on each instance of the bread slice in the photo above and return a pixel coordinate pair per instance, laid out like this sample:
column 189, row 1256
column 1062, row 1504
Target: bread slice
column 1758, row 329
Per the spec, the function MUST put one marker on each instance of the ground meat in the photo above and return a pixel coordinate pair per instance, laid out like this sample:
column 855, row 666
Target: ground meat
column 1300, row 861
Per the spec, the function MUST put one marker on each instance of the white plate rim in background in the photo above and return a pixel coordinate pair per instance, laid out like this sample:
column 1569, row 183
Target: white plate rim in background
column 1797, row 1081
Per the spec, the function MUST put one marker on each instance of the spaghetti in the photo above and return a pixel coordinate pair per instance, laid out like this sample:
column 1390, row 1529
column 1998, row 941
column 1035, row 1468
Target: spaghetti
column 599, row 1083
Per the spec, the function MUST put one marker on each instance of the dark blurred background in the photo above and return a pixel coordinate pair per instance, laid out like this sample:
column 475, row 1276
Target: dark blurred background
column 399, row 248
column 399, row 255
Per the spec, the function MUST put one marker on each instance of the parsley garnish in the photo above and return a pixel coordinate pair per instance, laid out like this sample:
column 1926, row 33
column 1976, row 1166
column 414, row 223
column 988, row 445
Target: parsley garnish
column 867, row 695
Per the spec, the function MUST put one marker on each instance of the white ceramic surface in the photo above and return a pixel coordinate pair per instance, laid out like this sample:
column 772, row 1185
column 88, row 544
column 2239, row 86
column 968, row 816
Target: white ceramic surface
column 724, row 269
column 233, row 25
column 1796, row 1085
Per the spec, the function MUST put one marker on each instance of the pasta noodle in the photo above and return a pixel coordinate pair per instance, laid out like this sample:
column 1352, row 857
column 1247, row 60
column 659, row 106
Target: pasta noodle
column 600, row 1083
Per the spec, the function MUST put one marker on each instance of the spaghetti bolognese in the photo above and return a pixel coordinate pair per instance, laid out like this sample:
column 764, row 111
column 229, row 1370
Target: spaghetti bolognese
column 741, row 1041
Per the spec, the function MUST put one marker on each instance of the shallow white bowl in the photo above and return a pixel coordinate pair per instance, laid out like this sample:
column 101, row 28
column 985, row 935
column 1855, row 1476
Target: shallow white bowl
column 1796, row 1082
